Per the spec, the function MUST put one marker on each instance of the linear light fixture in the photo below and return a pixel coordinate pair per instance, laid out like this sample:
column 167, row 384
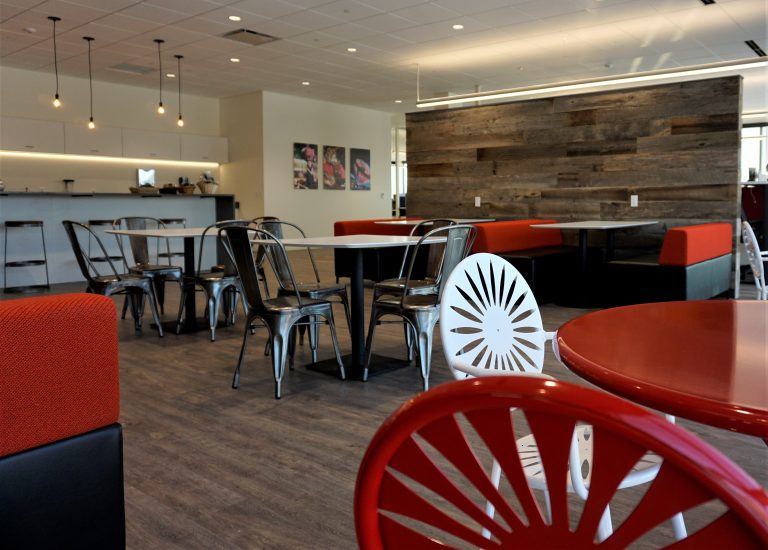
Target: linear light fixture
column 594, row 83
column 754, row 114
column 121, row 160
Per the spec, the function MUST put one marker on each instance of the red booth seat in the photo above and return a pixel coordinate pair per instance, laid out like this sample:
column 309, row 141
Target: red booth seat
column 509, row 236
column 61, row 470
column 696, row 243
column 370, row 227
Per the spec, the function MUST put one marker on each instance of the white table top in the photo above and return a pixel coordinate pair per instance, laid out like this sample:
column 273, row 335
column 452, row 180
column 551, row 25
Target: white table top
column 596, row 224
column 163, row 233
column 416, row 222
column 358, row 241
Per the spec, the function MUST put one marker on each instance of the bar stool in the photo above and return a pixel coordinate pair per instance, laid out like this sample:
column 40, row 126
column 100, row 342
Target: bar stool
column 179, row 222
column 24, row 224
column 94, row 225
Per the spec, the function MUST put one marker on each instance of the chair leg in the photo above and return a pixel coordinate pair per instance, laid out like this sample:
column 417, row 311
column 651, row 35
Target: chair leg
column 291, row 347
column 369, row 341
column 424, row 327
column 332, row 325
column 490, row 509
column 181, row 308
column 605, row 527
column 279, row 353
column 313, row 331
column 159, row 287
column 408, row 340
column 678, row 524
column 345, row 303
column 132, row 300
column 153, row 308
column 236, row 377
column 215, row 307
column 125, row 306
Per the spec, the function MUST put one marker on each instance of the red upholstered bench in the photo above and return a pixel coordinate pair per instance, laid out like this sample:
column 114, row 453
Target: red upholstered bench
column 378, row 264
column 61, row 473
column 694, row 264
column 538, row 254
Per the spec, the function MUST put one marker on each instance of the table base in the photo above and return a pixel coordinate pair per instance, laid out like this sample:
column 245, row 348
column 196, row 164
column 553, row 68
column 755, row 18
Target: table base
column 380, row 364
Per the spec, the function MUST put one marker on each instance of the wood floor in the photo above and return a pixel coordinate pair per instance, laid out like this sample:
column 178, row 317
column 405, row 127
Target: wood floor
column 207, row 466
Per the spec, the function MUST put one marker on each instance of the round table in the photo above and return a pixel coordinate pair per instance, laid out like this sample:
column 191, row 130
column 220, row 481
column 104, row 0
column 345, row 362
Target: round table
column 702, row 360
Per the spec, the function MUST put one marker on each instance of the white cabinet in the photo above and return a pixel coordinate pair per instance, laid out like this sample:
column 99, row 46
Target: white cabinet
column 103, row 141
column 34, row 136
column 204, row 148
column 151, row 145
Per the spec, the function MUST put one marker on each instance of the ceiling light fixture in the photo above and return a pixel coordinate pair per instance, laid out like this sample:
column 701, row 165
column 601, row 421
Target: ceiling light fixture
column 170, row 75
column 234, row 59
column 180, row 122
column 305, row 83
column 160, row 108
column 398, row 101
column 457, row 27
column 595, row 83
column 89, row 39
column 234, row 18
column 56, row 100
column 351, row 50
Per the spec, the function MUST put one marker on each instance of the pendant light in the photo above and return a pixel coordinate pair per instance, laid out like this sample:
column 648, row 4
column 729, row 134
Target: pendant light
column 178, row 57
column 89, row 39
column 56, row 101
column 160, row 108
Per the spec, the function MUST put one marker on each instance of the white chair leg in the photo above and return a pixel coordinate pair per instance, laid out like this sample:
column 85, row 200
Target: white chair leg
column 605, row 528
column 490, row 509
column 678, row 524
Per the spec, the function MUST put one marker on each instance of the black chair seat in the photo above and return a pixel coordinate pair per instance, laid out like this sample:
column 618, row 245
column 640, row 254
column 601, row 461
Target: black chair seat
column 412, row 301
column 396, row 286
column 169, row 271
column 307, row 305
column 107, row 279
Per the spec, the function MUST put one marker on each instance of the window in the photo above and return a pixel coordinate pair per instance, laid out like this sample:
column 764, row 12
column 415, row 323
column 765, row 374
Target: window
column 754, row 152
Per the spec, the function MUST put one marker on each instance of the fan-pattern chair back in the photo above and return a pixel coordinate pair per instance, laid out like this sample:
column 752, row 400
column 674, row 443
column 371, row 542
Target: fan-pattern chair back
column 755, row 259
column 489, row 318
column 423, row 480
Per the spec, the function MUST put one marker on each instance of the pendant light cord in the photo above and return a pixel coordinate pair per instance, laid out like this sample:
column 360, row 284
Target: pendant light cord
column 178, row 58
column 55, row 57
column 90, row 75
column 160, row 66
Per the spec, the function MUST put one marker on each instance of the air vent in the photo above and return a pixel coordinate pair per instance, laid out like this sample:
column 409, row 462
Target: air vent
column 755, row 48
column 250, row 37
column 707, row 2
column 130, row 69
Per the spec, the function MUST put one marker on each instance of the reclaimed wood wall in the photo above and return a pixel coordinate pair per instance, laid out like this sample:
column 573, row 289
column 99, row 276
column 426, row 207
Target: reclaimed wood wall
column 580, row 157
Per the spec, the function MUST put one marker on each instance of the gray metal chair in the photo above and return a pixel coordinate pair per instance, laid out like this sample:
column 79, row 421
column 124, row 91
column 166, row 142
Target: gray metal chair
column 422, row 311
column 134, row 286
column 279, row 314
column 316, row 290
column 427, row 285
column 220, row 286
column 145, row 264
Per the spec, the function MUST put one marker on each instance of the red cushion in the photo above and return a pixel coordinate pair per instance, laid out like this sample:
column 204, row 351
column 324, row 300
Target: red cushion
column 696, row 243
column 58, row 369
column 370, row 227
column 495, row 237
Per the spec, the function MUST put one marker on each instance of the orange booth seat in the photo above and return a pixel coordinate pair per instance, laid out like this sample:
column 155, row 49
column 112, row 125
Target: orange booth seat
column 378, row 263
column 538, row 254
column 61, row 470
column 694, row 264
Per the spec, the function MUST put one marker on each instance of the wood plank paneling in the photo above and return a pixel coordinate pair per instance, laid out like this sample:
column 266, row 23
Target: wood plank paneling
column 581, row 157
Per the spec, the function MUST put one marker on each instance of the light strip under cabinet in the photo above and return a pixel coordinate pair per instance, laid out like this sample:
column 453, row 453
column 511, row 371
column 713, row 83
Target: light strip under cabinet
column 121, row 160
column 597, row 83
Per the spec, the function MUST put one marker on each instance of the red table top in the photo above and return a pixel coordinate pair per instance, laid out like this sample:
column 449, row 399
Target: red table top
column 702, row 360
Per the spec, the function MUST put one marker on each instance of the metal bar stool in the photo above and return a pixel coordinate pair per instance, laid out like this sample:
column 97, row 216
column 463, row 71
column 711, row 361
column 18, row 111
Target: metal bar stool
column 94, row 225
column 180, row 222
column 21, row 224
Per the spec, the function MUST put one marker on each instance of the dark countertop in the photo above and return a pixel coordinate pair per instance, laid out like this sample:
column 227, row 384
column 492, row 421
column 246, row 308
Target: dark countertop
column 88, row 194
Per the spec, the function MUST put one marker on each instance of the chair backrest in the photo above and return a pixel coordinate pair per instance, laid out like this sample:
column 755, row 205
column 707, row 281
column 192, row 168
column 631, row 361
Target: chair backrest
column 489, row 318
column 244, row 252
column 228, row 264
column 87, row 267
column 412, row 488
column 140, row 249
column 280, row 264
column 435, row 251
column 755, row 259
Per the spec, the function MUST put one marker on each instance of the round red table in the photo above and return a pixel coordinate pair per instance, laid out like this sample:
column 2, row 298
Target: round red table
column 702, row 360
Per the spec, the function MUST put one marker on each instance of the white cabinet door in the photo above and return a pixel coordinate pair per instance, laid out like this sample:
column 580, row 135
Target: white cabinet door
column 35, row 136
column 204, row 148
column 103, row 141
column 151, row 145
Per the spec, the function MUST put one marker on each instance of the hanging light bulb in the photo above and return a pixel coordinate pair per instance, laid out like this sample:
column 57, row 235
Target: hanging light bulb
column 160, row 108
column 178, row 57
column 56, row 100
column 89, row 39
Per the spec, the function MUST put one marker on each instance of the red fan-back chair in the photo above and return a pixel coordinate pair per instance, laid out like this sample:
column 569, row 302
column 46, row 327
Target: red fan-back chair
column 424, row 480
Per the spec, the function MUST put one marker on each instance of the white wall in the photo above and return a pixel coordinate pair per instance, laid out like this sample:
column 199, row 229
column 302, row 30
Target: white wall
column 288, row 119
column 28, row 94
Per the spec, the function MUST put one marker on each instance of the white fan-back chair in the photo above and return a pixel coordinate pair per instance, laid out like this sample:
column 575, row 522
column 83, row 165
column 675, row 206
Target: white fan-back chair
column 490, row 324
column 756, row 259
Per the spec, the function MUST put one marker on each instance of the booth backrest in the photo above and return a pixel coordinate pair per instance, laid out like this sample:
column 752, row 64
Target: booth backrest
column 58, row 369
column 508, row 236
column 692, row 244
column 370, row 227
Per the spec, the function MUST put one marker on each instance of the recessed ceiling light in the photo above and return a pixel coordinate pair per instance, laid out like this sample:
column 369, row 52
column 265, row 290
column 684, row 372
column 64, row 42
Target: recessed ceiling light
column 305, row 83
column 234, row 59
column 398, row 101
column 457, row 27
column 234, row 18
column 352, row 50
column 170, row 75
